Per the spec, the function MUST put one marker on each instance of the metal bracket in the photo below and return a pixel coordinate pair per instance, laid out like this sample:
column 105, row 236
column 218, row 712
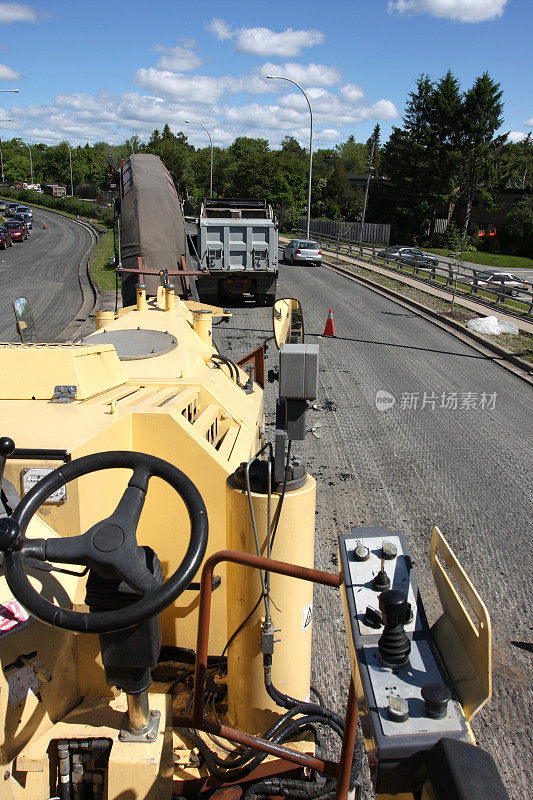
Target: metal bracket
column 64, row 394
column 149, row 734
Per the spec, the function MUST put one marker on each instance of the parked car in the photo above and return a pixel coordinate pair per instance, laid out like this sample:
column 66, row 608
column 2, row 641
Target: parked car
column 11, row 209
column 24, row 217
column 5, row 238
column 302, row 250
column 24, row 210
column 410, row 256
column 501, row 282
column 3, row 206
column 17, row 228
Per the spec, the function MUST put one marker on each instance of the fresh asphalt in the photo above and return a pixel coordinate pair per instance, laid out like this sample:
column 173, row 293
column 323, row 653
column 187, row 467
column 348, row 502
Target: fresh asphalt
column 44, row 268
column 467, row 470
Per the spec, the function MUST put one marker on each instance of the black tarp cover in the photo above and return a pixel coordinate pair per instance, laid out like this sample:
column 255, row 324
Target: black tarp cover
column 152, row 222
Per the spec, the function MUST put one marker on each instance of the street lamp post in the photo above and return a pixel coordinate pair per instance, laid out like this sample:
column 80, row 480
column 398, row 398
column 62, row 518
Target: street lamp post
column 57, row 139
column 128, row 141
column 282, row 78
column 31, row 163
column 193, row 122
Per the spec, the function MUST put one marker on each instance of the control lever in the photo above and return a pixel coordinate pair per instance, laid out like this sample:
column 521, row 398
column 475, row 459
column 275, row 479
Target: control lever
column 393, row 645
column 7, row 448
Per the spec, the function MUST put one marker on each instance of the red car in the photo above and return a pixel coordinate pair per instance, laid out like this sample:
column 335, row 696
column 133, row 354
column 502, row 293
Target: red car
column 5, row 239
column 17, row 229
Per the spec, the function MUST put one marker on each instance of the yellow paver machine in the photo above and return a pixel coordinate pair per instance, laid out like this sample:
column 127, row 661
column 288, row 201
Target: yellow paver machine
column 157, row 586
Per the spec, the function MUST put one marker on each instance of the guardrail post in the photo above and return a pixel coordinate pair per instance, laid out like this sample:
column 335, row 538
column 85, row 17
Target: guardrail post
column 449, row 279
column 373, row 251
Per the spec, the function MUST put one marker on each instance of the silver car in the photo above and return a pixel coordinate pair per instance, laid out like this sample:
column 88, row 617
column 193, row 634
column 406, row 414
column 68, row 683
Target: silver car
column 303, row 251
column 24, row 217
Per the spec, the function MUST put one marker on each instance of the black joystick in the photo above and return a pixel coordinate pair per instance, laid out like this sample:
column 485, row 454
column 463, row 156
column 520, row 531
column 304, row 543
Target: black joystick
column 393, row 645
column 436, row 698
column 381, row 581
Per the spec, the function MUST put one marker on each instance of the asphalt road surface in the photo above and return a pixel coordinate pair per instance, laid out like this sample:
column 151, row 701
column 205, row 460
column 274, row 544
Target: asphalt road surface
column 44, row 268
column 466, row 469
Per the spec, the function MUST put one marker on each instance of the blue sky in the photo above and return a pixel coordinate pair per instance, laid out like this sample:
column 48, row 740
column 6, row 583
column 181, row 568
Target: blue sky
column 87, row 69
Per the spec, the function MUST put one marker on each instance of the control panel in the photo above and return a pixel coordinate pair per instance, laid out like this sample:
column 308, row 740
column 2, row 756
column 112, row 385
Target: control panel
column 405, row 698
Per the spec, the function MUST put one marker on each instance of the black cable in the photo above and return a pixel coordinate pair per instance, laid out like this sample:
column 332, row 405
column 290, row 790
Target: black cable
column 285, row 701
column 288, row 732
column 241, row 626
column 231, row 365
column 317, row 695
column 276, row 523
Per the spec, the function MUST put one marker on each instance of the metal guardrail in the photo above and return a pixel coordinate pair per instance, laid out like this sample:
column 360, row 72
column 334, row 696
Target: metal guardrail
column 448, row 271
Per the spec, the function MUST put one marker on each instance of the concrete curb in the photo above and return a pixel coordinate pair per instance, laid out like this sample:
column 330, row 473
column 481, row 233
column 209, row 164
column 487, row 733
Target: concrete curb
column 88, row 289
column 89, row 292
column 506, row 359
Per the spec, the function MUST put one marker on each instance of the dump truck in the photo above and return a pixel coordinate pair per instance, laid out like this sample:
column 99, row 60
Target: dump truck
column 156, row 593
column 238, row 248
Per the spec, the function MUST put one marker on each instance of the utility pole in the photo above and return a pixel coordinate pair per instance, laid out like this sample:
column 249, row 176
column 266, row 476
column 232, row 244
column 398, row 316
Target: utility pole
column 369, row 175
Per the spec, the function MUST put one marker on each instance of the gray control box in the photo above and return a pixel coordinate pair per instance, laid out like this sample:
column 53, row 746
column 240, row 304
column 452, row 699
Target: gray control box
column 298, row 371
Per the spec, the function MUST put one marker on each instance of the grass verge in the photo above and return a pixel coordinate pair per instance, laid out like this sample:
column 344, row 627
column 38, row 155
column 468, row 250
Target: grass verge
column 102, row 273
column 489, row 259
column 520, row 344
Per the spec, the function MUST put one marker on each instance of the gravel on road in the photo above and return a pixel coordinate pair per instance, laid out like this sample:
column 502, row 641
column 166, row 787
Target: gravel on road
column 455, row 450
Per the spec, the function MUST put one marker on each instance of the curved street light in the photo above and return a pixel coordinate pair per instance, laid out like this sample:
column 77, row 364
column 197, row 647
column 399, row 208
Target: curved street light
column 289, row 80
column 127, row 139
column 194, row 122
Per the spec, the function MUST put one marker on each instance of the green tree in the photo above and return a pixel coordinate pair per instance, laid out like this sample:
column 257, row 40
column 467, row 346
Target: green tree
column 482, row 115
column 518, row 229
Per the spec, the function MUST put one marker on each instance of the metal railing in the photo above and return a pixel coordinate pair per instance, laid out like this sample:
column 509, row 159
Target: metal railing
column 451, row 273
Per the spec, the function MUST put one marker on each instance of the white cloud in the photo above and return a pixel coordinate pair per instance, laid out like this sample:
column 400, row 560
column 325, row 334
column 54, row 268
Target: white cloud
column 460, row 10
column 219, row 29
column 516, row 136
column 264, row 41
column 181, row 58
column 196, row 88
column 528, row 121
column 308, row 74
column 18, row 12
column 8, row 74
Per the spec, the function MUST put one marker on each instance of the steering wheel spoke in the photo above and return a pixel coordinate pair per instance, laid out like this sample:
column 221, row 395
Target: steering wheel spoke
column 109, row 547
column 68, row 550
column 137, row 575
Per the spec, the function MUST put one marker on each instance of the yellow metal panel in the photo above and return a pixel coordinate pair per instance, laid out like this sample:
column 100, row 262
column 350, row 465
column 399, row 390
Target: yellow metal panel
column 249, row 706
column 136, row 771
column 464, row 642
column 32, row 371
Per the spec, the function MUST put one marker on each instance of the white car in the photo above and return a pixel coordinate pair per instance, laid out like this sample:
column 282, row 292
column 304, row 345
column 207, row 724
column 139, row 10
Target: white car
column 24, row 210
column 303, row 251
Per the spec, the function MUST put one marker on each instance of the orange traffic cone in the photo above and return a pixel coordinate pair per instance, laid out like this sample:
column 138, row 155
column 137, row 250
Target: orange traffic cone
column 44, row 225
column 328, row 330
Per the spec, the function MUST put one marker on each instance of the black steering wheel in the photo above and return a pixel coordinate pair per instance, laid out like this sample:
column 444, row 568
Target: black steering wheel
column 109, row 547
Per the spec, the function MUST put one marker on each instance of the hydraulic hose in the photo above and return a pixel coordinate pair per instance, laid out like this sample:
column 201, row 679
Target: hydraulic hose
column 297, row 726
column 285, row 701
column 300, row 790
column 232, row 366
